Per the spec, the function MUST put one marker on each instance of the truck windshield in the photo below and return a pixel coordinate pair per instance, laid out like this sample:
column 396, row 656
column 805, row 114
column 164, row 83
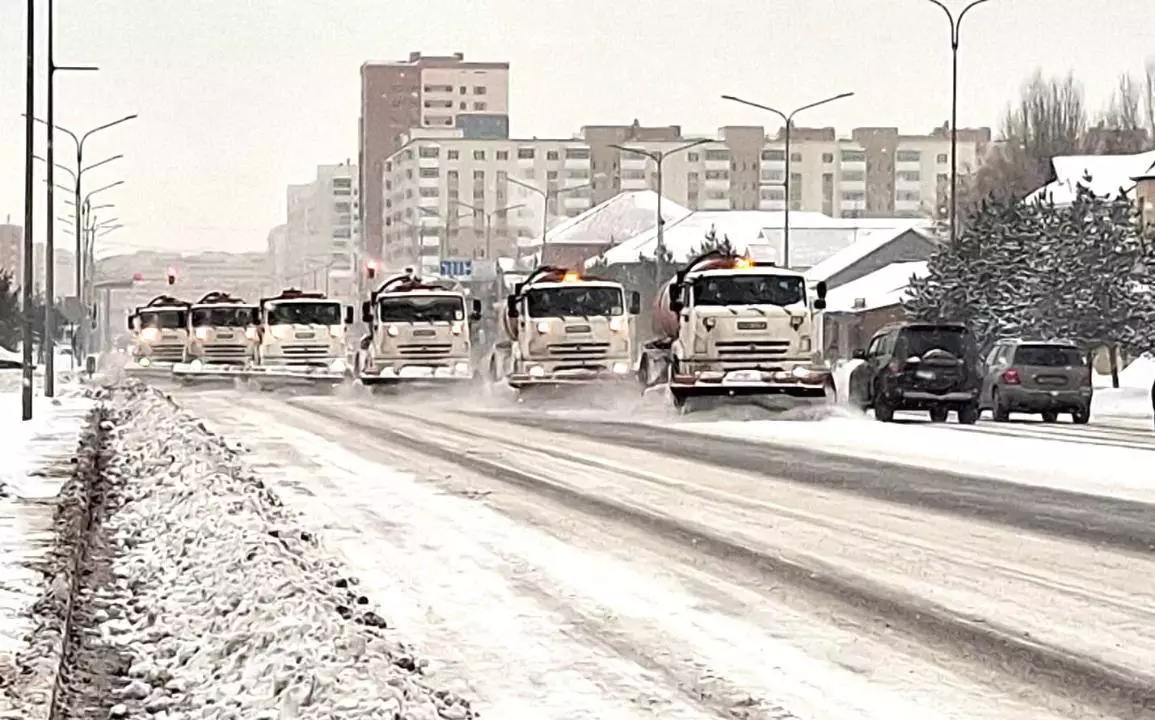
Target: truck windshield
column 749, row 290
column 575, row 301
column 165, row 319
column 304, row 313
column 222, row 316
column 421, row 309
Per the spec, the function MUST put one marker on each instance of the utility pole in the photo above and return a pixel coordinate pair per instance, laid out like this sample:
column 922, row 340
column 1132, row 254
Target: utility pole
column 48, row 337
column 659, row 156
column 29, row 148
column 788, row 119
column 546, row 194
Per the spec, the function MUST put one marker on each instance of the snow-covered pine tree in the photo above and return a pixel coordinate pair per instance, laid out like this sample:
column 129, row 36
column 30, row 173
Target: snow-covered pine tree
column 711, row 241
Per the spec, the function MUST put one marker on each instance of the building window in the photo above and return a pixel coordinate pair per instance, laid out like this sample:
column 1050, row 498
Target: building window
column 525, row 153
column 463, row 89
column 909, row 176
column 633, row 174
column 774, row 155
column 907, row 196
column 502, row 177
column 429, row 192
column 430, row 172
column 692, row 177
column 577, row 153
column 438, row 120
column 439, row 104
column 479, row 90
column 339, row 232
column 717, row 155
column 715, row 194
column 773, row 176
column 342, row 182
column 827, row 158
column 577, row 174
column 775, row 194
column 717, row 175
column 451, row 176
column 853, row 176
column 479, row 106
column 451, row 154
column 908, row 156
column 942, row 180
column 853, row 195
column 693, row 157
column 503, row 155
column 342, row 207
column 438, row 88
column 853, row 156
column 478, row 154
column 552, row 155
column 528, row 173
column 942, row 159
column 478, row 176
column 429, row 152
column 551, row 175
column 462, row 105
column 795, row 157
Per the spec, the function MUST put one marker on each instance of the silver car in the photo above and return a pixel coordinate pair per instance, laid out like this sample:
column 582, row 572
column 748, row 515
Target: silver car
column 1047, row 378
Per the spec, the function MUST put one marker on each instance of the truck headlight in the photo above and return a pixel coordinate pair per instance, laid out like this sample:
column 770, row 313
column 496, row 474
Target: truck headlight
column 149, row 335
column 621, row 368
column 282, row 332
column 144, row 362
column 537, row 371
column 804, row 343
column 543, row 326
column 392, row 331
column 461, row 368
column 616, row 324
column 196, row 364
column 337, row 365
column 251, row 333
column 202, row 333
column 457, row 328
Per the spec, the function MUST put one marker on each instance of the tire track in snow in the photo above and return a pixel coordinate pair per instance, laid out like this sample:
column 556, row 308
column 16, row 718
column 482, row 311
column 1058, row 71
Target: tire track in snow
column 1114, row 688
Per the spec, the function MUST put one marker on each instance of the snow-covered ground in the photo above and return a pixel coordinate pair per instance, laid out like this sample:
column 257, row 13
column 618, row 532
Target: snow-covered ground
column 225, row 605
column 37, row 460
column 538, row 610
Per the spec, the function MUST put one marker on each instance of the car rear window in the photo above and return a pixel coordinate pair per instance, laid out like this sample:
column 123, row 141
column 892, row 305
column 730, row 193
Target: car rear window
column 1048, row 356
column 920, row 340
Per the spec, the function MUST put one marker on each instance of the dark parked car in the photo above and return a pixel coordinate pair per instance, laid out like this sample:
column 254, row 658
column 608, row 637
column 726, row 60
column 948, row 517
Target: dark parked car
column 919, row 366
column 1048, row 378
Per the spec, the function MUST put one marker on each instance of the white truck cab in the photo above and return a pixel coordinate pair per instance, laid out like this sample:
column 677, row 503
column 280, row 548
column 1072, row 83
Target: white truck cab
column 303, row 331
column 159, row 332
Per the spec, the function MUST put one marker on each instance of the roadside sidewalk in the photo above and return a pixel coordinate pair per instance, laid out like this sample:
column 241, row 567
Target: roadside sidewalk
column 37, row 459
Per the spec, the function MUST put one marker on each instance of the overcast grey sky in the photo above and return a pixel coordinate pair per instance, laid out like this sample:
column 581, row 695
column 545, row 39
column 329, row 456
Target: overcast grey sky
column 239, row 98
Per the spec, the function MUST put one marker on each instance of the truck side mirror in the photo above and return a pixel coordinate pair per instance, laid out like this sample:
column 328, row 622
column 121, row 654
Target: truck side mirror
column 348, row 314
column 820, row 304
column 130, row 323
column 475, row 310
column 367, row 312
column 635, row 302
column 858, row 354
column 511, row 306
column 676, row 304
column 90, row 365
column 821, row 290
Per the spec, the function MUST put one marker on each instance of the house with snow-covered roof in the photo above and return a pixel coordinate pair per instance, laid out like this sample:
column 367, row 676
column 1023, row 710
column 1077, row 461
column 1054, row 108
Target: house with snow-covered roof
column 873, row 250
column 859, row 308
column 1105, row 175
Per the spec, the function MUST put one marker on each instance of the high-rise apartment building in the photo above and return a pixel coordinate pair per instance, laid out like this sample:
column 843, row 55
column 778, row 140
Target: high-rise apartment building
column 422, row 92
column 12, row 250
column 319, row 249
column 450, row 196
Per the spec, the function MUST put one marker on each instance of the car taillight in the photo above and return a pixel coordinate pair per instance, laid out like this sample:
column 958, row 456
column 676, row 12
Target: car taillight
column 1011, row 377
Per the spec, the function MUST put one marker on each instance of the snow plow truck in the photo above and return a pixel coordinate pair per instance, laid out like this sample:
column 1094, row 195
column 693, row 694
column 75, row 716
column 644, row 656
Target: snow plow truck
column 300, row 339
column 417, row 330
column 727, row 325
column 222, row 338
column 159, row 331
column 562, row 328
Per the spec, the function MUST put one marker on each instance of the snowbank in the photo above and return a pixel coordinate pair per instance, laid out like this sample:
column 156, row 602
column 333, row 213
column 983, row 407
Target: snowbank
column 221, row 605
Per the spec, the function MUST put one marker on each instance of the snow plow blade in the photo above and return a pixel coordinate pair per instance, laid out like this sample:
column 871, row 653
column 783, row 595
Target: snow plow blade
column 152, row 371
column 189, row 373
column 289, row 375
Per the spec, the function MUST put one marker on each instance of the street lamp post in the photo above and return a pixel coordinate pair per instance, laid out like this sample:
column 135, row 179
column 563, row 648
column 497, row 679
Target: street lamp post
column 546, row 194
column 955, row 24
column 788, row 119
column 443, row 243
column 30, row 102
column 489, row 221
column 49, row 334
column 87, row 252
column 659, row 156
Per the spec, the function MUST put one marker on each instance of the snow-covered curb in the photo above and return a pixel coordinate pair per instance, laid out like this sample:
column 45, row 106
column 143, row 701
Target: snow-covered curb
column 222, row 605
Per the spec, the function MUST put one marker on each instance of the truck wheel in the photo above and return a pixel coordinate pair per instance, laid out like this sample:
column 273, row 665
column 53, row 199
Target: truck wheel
column 1081, row 416
column 968, row 414
column 1050, row 416
column 938, row 414
column 999, row 410
column 883, row 410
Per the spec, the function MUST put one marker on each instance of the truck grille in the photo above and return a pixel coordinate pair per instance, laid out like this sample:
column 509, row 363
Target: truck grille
column 751, row 349
column 225, row 353
column 430, row 350
column 305, row 352
column 168, row 352
column 578, row 350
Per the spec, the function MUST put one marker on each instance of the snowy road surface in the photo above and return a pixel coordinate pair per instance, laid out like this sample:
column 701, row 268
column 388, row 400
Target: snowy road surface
column 613, row 571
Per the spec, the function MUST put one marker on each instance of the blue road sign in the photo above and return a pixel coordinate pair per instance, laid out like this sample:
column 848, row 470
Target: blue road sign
column 456, row 268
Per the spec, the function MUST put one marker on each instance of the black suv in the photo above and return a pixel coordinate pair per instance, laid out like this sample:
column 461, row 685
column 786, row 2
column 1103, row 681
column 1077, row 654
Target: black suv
column 919, row 366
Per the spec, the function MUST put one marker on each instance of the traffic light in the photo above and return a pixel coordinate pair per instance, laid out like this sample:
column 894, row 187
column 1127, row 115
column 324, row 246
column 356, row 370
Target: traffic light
column 170, row 274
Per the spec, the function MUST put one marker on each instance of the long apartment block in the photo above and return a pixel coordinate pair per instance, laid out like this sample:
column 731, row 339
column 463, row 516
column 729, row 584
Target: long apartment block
column 446, row 194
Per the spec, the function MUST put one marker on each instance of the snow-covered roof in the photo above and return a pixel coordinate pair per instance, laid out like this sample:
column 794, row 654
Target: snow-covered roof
column 810, row 246
column 1108, row 174
column 866, row 243
column 882, row 288
column 622, row 216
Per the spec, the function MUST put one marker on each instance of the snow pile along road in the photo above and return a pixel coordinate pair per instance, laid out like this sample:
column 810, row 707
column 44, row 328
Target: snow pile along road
column 218, row 604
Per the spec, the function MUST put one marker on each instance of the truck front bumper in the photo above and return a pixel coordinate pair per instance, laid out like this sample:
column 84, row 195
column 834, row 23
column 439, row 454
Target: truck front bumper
column 539, row 376
column 389, row 370
column 800, row 381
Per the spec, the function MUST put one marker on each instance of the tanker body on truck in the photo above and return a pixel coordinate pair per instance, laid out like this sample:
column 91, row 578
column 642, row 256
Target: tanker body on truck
column 729, row 326
column 418, row 329
column 159, row 334
column 562, row 328
column 222, row 338
column 301, row 335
